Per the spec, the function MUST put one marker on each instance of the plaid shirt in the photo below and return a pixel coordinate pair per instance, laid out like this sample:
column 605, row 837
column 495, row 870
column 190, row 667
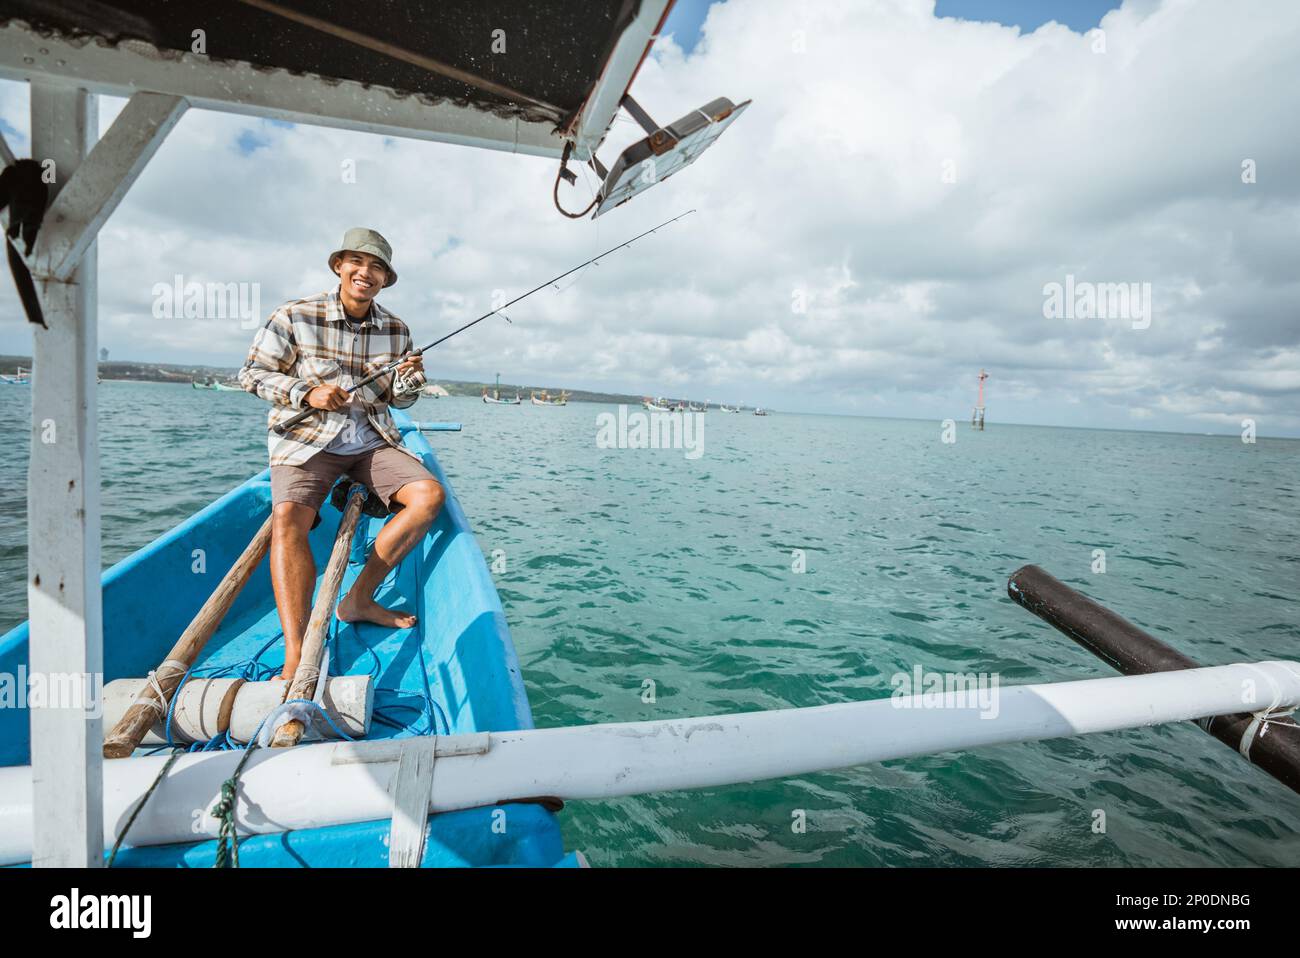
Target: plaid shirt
column 306, row 343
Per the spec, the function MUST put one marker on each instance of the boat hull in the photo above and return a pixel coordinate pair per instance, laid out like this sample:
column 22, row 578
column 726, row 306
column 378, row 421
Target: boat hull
column 455, row 672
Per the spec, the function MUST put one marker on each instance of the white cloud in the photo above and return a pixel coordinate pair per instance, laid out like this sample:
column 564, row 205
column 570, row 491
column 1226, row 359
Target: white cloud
column 1115, row 167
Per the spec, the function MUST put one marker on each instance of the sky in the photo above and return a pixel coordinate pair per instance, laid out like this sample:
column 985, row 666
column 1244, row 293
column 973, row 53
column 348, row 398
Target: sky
column 893, row 214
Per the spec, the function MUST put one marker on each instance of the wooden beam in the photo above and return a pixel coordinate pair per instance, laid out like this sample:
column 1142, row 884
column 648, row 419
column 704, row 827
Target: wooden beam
column 236, row 87
column 90, row 196
column 303, row 683
column 63, row 558
column 412, row 787
column 154, row 698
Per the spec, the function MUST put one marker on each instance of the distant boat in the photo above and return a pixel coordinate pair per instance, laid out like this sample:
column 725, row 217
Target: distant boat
column 690, row 408
column 544, row 400
column 657, row 404
column 760, row 412
column 723, row 407
column 222, row 387
column 496, row 400
column 198, row 385
column 21, row 377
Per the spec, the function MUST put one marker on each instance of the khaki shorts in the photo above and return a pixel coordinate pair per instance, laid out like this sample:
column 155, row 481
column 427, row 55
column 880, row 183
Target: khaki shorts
column 385, row 470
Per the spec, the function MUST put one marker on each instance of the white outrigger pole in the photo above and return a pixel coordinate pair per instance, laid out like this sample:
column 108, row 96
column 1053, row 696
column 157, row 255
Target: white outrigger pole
column 312, row 786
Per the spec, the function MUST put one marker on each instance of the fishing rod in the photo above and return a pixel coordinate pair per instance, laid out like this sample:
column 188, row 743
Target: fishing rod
column 283, row 427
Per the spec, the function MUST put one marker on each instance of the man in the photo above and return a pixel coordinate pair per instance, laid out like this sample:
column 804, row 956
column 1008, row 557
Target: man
column 308, row 353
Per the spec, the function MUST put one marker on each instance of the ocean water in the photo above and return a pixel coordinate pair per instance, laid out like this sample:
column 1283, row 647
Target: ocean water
column 636, row 569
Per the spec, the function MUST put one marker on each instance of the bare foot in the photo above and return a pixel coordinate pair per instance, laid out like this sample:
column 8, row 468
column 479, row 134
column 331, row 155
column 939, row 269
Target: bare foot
column 352, row 609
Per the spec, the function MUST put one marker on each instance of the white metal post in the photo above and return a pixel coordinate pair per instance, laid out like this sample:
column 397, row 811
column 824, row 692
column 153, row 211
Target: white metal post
column 63, row 558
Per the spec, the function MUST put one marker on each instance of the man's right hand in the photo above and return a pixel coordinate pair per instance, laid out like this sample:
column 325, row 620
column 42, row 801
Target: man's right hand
column 328, row 397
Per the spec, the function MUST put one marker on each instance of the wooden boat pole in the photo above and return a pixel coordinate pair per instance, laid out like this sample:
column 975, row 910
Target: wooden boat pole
column 1272, row 743
column 154, row 698
column 303, row 684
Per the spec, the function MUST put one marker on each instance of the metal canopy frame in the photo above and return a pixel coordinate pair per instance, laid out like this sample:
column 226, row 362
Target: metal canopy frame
column 91, row 178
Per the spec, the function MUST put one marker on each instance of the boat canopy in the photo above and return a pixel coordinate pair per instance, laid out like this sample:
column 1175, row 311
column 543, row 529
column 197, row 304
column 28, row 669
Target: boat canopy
column 504, row 74
column 545, row 78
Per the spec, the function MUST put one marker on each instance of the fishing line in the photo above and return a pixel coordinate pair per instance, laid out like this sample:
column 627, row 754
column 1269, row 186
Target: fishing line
column 283, row 427
column 586, row 173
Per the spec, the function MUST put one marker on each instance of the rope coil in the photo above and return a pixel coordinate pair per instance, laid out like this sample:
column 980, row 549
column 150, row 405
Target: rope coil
column 1274, row 712
column 158, row 704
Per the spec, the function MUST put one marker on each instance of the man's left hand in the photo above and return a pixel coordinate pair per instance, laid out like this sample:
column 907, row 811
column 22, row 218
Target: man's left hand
column 412, row 363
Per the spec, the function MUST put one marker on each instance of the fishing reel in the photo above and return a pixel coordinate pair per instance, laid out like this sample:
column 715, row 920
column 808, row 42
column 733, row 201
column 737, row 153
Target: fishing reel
column 408, row 384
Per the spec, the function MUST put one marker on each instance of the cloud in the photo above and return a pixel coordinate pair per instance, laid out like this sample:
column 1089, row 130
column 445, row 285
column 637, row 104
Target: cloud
column 876, row 228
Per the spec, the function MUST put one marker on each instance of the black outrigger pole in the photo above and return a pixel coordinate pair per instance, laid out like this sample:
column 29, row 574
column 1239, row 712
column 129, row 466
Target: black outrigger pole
column 281, row 428
column 1266, row 739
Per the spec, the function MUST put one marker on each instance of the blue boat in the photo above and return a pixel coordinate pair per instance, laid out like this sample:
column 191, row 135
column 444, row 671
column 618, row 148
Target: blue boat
column 455, row 672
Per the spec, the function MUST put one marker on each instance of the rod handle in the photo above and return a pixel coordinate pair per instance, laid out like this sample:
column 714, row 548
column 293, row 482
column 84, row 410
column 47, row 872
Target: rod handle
column 281, row 428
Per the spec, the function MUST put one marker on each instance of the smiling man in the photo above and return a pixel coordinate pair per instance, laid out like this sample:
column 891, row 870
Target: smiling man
column 307, row 354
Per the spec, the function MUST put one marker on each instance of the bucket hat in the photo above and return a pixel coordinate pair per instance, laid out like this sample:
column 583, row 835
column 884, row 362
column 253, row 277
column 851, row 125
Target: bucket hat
column 362, row 240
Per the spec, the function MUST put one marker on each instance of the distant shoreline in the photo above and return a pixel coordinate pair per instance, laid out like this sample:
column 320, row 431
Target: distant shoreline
column 183, row 375
column 111, row 371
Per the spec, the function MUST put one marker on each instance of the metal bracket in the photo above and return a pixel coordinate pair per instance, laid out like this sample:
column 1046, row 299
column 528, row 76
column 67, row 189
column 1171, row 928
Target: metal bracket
column 638, row 114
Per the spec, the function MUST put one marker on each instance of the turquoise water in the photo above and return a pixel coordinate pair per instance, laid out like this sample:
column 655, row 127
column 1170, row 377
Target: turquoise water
column 624, row 566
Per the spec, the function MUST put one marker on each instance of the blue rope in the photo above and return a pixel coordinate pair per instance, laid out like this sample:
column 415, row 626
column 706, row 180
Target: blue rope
column 431, row 709
column 446, row 723
column 171, row 706
column 317, row 706
column 253, row 670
